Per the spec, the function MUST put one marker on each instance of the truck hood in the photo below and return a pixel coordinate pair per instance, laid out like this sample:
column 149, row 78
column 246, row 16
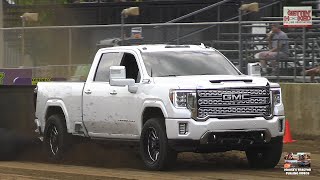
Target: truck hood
column 211, row 81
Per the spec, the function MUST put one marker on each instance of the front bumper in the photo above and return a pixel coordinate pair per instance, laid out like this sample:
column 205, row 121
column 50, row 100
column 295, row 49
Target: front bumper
column 187, row 145
column 199, row 131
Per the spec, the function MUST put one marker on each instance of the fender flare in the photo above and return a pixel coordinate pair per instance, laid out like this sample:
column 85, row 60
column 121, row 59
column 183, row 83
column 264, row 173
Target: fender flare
column 156, row 104
column 58, row 103
column 153, row 104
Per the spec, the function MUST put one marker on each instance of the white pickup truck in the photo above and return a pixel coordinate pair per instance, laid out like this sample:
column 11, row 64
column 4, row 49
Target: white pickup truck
column 168, row 99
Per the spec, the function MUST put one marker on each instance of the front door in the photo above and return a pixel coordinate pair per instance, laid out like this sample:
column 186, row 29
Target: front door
column 128, row 106
column 98, row 106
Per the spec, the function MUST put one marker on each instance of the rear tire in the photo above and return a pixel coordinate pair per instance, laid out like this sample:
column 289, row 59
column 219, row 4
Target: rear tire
column 154, row 149
column 56, row 138
column 265, row 157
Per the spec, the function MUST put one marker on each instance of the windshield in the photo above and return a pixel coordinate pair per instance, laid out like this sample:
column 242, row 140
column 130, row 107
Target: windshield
column 186, row 63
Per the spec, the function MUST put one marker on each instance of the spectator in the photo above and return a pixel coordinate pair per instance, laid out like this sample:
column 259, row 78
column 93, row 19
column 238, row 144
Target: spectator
column 313, row 72
column 278, row 48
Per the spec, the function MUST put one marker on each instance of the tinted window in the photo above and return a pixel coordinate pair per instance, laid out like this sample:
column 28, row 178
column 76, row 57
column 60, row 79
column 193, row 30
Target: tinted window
column 107, row 60
column 185, row 63
column 132, row 69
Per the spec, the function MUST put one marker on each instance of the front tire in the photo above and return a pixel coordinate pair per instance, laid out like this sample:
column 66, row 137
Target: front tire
column 265, row 157
column 56, row 138
column 154, row 149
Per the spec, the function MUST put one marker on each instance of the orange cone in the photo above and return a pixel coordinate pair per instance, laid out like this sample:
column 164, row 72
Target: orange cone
column 287, row 134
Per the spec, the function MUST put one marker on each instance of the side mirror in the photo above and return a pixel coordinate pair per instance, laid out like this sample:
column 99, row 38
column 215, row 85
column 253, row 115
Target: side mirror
column 118, row 78
column 254, row 69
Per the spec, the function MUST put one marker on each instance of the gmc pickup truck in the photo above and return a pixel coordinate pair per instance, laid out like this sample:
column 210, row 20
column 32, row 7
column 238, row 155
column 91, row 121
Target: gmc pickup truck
column 168, row 99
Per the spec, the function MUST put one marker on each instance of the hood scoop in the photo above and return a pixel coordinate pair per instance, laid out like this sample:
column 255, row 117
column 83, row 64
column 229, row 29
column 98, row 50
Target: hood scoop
column 232, row 80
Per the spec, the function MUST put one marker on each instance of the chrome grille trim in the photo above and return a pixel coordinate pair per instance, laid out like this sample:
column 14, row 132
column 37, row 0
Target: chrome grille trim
column 220, row 102
column 211, row 102
column 217, row 92
column 212, row 111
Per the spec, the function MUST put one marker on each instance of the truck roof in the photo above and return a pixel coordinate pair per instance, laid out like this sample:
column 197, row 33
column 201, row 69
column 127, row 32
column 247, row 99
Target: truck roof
column 162, row 47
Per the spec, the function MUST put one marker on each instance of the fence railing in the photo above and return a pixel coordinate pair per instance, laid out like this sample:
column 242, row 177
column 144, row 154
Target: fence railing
column 69, row 45
column 24, row 2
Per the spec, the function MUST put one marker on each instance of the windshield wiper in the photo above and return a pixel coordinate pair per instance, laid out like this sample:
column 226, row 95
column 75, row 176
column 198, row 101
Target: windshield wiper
column 204, row 74
column 169, row 75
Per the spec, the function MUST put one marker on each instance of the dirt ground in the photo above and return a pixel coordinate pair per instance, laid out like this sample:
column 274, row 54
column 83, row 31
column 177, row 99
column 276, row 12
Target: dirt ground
column 93, row 162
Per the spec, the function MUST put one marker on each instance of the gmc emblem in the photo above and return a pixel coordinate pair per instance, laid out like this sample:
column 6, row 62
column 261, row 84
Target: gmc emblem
column 235, row 97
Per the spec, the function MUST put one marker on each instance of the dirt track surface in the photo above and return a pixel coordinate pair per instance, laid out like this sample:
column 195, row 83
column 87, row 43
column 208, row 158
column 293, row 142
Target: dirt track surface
column 90, row 161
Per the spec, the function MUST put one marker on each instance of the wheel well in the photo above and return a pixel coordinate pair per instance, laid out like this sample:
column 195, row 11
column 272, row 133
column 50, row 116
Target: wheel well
column 151, row 112
column 54, row 110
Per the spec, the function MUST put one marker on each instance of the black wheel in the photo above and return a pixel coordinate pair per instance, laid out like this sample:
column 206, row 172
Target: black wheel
column 56, row 138
column 154, row 149
column 265, row 157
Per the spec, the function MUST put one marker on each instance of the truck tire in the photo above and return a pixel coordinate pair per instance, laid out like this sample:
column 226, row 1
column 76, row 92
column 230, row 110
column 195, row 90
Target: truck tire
column 265, row 157
column 56, row 138
column 154, row 149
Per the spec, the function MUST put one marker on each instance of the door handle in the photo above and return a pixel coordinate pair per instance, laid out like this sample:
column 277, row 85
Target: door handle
column 113, row 92
column 88, row 91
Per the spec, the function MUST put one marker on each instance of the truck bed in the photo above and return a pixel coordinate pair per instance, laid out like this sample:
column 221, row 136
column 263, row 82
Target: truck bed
column 66, row 94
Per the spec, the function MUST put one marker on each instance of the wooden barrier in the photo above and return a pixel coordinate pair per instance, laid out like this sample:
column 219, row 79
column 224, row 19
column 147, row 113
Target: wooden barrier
column 17, row 108
column 302, row 107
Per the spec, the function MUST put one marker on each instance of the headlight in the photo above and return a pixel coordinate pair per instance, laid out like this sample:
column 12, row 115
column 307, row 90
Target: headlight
column 276, row 96
column 183, row 98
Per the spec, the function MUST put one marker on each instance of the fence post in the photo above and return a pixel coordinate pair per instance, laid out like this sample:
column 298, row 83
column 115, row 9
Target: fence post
column 240, row 38
column 218, row 26
column 69, row 50
column 246, row 53
column 122, row 28
column 1, row 36
column 178, row 34
column 295, row 61
column 278, row 61
column 22, row 41
column 304, row 53
column 313, row 43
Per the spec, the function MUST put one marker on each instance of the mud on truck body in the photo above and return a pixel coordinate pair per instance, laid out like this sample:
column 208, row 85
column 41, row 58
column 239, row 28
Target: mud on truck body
column 168, row 99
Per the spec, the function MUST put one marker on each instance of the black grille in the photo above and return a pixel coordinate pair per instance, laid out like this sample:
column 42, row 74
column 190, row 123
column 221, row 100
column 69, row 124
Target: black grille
column 249, row 137
column 251, row 102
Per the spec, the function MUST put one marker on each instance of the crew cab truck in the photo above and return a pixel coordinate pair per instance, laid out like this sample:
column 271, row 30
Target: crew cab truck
column 168, row 99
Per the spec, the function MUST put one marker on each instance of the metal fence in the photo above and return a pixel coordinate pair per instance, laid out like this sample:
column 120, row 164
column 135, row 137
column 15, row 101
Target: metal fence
column 23, row 2
column 66, row 46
